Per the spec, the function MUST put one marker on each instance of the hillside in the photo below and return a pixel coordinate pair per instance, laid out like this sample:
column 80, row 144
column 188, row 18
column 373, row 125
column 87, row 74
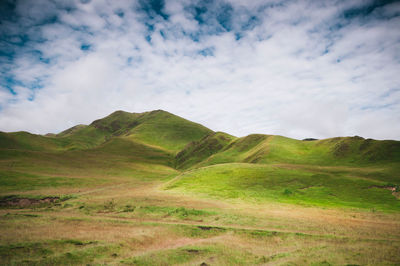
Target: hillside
column 307, row 186
column 336, row 151
column 153, row 188
column 161, row 138
column 122, row 143
column 157, row 128
column 197, row 151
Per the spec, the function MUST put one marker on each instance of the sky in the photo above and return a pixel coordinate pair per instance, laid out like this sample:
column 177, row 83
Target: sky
column 300, row 69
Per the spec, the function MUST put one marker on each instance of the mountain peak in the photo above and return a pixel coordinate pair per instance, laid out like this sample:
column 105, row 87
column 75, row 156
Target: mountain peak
column 118, row 112
column 157, row 128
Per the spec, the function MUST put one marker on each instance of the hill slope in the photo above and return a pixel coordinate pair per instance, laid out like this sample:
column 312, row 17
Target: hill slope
column 157, row 128
column 159, row 144
column 197, row 151
column 323, row 186
column 155, row 189
column 166, row 130
column 121, row 144
column 336, row 151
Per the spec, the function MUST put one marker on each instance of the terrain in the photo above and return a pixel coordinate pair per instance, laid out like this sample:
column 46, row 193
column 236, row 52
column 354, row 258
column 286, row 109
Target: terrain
column 156, row 189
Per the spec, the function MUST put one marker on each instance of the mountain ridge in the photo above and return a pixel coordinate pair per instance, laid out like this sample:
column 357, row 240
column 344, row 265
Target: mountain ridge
column 158, row 146
column 193, row 144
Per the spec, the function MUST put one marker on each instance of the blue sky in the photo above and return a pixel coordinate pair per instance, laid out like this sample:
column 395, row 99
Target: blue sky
column 295, row 68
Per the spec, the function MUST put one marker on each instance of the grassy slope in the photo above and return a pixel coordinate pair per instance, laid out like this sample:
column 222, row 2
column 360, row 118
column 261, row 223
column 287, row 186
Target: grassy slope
column 340, row 172
column 27, row 141
column 335, row 151
column 117, row 214
column 197, row 151
column 108, row 148
column 23, row 170
column 286, row 184
column 167, row 131
column 157, row 128
column 239, row 150
column 144, row 145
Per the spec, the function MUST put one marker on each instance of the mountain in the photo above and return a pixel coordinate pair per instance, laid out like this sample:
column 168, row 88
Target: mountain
column 191, row 145
column 258, row 148
column 158, row 145
column 157, row 128
column 136, row 144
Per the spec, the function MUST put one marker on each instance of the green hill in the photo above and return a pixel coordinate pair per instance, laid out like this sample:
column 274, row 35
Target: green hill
column 197, row 151
column 153, row 188
column 159, row 144
column 344, row 171
column 288, row 184
column 157, row 128
column 27, row 141
column 336, row 151
column 166, row 130
column 121, row 144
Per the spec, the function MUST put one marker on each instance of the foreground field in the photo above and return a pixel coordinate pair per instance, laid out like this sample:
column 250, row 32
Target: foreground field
column 286, row 183
column 155, row 189
column 134, row 222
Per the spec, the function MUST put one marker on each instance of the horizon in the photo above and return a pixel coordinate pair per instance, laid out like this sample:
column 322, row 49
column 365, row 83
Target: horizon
column 214, row 131
column 300, row 69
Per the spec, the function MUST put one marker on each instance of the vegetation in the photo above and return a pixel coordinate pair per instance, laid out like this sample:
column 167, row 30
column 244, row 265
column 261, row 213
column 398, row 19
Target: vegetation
column 155, row 189
column 274, row 183
column 343, row 151
column 197, row 151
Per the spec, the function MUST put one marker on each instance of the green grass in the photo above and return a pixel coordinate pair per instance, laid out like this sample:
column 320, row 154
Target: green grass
column 198, row 231
column 196, row 255
column 55, row 252
column 30, row 170
column 251, row 182
column 139, row 210
column 27, row 141
column 173, row 212
column 150, row 145
column 156, row 128
column 166, row 130
column 222, row 187
column 348, row 151
column 17, row 181
column 197, row 151
column 128, row 148
column 215, row 246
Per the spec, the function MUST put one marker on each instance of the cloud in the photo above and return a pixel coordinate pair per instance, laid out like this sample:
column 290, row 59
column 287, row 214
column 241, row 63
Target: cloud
column 294, row 68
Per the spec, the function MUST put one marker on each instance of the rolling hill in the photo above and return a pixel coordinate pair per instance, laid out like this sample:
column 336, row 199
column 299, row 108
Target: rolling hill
column 153, row 188
column 139, row 143
column 122, row 143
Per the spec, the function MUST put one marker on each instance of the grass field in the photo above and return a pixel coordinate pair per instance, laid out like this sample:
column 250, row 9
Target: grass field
column 288, row 184
column 156, row 189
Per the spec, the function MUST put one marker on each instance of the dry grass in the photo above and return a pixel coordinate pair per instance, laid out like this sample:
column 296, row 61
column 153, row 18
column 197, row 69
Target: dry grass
column 302, row 235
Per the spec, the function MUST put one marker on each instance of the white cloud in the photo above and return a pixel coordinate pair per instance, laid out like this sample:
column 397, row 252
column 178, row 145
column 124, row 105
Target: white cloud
column 289, row 74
